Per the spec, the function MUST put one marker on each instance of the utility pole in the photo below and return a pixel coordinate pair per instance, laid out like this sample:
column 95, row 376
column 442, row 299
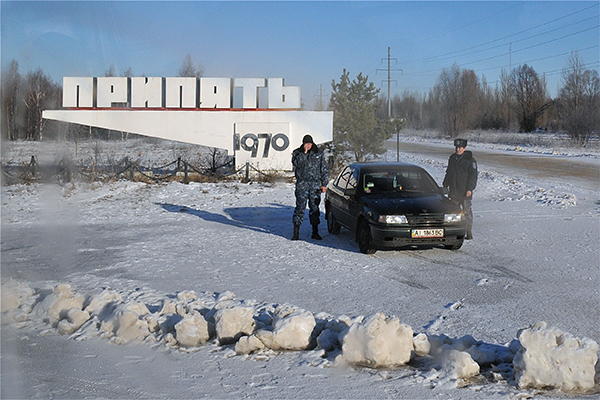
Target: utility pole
column 389, row 85
column 319, row 106
column 321, row 97
column 389, row 79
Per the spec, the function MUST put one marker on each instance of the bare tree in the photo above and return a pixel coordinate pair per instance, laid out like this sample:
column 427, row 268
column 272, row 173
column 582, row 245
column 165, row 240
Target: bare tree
column 459, row 94
column 530, row 96
column 432, row 116
column 10, row 98
column 579, row 100
column 188, row 69
column 505, row 94
column 214, row 160
column 409, row 105
column 111, row 71
column 40, row 95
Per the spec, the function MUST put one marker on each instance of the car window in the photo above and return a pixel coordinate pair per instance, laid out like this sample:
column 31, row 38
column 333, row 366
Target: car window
column 341, row 181
column 353, row 179
column 399, row 181
column 347, row 179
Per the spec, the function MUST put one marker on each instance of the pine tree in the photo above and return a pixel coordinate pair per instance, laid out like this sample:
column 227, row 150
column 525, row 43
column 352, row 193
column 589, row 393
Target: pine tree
column 356, row 128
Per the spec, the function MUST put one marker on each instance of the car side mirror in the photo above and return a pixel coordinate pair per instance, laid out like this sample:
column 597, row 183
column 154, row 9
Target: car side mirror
column 350, row 191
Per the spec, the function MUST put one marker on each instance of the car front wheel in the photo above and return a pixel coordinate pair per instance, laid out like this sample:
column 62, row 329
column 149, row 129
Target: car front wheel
column 364, row 238
column 333, row 226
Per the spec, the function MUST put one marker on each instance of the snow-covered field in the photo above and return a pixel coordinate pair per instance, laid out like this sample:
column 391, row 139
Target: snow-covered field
column 148, row 265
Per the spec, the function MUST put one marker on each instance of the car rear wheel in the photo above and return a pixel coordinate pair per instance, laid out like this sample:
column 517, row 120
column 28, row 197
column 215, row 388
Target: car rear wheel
column 333, row 226
column 365, row 241
column 454, row 246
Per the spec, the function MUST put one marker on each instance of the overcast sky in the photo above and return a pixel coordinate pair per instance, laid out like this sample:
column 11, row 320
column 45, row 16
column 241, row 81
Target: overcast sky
column 306, row 43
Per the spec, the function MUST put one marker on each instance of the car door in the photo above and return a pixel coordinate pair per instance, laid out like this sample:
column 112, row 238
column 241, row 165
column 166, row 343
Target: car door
column 336, row 197
column 348, row 183
column 351, row 198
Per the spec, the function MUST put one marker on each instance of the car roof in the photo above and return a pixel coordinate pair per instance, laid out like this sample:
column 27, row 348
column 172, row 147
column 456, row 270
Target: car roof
column 380, row 166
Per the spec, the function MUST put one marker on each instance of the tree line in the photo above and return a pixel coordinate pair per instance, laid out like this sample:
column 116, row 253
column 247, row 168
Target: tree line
column 459, row 101
column 24, row 98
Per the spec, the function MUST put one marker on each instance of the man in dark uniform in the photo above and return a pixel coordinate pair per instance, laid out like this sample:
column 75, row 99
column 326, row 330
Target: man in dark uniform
column 310, row 169
column 461, row 179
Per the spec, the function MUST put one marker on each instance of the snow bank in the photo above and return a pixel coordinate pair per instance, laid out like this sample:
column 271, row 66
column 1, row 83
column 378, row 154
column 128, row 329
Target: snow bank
column 127, row 323
column 460, row 365
column 102, row 303
column 192, row 330
column 551, row 358
column 421, row 345
column 233, row 323
column 55, row 306
column 379, row 341
column 541, row 357
column 15, row 302
column 291, row 330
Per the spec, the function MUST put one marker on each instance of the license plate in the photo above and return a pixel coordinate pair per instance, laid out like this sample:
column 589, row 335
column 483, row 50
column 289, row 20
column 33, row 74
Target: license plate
column 427, row 233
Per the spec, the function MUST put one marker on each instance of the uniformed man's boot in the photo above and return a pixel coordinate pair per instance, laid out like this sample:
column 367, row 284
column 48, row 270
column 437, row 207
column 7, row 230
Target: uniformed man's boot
column 315, row 234
column 296, row 234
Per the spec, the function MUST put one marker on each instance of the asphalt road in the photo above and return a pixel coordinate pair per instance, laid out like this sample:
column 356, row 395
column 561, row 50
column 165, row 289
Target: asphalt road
column 547, row 166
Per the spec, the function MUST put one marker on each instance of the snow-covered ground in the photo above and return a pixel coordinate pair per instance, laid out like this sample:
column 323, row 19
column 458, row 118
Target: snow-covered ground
column 144, row 247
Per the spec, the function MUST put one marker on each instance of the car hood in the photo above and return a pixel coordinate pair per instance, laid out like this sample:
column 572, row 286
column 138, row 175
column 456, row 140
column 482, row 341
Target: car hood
column 431, row 204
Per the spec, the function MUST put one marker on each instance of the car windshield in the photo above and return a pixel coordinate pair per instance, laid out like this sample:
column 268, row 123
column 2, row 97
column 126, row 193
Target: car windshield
column 409, row 180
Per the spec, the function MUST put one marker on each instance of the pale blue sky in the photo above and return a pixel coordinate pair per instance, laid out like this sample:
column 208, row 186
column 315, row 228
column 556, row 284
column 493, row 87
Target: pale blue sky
column 308, row 43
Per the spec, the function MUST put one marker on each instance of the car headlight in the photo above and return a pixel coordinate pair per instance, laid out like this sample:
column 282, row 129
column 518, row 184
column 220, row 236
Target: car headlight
column 393, row 219
column 449, row 218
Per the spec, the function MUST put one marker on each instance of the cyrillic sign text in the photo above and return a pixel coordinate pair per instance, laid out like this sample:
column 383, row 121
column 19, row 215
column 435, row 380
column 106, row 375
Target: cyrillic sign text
column 179, row 93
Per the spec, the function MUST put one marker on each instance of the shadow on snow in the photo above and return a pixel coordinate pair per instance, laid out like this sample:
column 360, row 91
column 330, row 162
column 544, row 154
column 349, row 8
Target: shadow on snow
column 274, row 219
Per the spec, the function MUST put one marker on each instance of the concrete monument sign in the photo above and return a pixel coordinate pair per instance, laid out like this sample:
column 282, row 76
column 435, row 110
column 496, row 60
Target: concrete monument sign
column 256, row 119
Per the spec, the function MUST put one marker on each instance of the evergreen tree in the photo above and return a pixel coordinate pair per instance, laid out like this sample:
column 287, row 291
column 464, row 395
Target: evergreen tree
column 356, row 127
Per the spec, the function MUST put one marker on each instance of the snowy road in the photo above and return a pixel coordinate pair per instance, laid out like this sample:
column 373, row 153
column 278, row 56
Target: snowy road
column 587, row 170
column 534, row 257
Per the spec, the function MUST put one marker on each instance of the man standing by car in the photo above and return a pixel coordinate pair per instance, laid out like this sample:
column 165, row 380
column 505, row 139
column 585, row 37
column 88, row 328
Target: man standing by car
column 310, row 169
column 461, row 179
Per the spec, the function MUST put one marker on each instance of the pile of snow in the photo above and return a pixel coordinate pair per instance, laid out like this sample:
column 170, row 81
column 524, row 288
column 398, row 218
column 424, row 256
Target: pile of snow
column 541, row 357
column 463, row 358
column 17, row 301
column 551, row 358
column 379, row 341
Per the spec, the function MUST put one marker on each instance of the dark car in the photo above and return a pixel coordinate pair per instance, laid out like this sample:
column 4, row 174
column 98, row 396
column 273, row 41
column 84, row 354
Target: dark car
column 392, row 205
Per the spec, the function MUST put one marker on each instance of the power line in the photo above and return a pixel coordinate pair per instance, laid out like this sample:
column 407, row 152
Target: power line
column 546, row 58
column 424, row 73
column 473, row 23
column 517, row 41
column 557, row 71
column 437, row 58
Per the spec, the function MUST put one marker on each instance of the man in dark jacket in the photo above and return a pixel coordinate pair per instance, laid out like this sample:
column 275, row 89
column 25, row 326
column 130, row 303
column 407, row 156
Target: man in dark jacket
column 461, row 179
column 310, row 168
